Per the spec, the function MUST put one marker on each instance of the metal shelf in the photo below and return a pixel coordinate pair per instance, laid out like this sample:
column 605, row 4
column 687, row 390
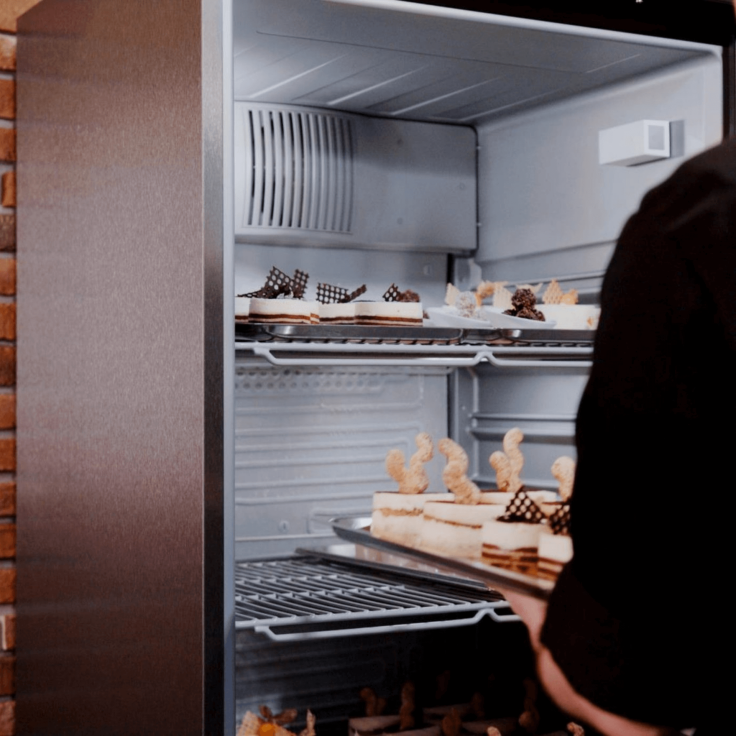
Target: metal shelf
column 308, row 596
column 346, row 345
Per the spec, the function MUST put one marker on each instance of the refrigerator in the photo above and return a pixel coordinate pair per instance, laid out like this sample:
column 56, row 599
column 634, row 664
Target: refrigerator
column 177, row 485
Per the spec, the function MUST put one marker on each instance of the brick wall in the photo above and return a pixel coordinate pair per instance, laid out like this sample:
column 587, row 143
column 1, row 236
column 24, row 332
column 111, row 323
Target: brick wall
column 10, row 10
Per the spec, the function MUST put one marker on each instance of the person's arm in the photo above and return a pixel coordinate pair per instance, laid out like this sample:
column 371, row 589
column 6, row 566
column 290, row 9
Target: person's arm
column 532, row 612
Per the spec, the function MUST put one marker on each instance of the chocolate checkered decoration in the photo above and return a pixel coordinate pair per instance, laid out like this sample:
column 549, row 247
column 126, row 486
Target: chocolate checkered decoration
column 559, row 521
column 299, row 283
column 278, row 284
column 523, row 508
column 392, row 294
column 328, row 294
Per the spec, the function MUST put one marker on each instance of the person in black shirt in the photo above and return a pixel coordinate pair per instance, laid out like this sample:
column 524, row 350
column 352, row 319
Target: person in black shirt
column 634, row 630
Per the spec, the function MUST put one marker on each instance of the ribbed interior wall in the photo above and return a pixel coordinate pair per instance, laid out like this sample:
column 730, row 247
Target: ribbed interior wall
column 299, row 170
column 311, row 443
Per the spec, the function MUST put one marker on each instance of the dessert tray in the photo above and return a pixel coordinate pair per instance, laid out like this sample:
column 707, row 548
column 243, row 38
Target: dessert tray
column 357, row 530
column 491, row 317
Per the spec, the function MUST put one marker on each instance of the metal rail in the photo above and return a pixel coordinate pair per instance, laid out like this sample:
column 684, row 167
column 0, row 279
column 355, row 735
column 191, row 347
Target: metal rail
column 305, row 597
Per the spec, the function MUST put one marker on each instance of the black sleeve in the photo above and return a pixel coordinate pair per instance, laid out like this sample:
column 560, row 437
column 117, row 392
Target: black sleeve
column 653, row 457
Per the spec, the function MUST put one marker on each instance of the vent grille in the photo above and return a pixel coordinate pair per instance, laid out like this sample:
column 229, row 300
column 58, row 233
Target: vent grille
column 299, row 170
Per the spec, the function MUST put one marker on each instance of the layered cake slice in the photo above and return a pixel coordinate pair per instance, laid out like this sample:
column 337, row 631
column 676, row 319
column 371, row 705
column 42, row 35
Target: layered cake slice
column 397, row 516
column 242, row 308
column 398, row 308
column 555, row 545
column 284, row 311
column 512, row 541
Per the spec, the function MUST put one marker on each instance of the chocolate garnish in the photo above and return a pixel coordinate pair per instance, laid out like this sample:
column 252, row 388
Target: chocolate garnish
column 523, row 302
column 559, row 520
column 522, row 508
column 279, row 284
column 392, row 294
column 328, row 294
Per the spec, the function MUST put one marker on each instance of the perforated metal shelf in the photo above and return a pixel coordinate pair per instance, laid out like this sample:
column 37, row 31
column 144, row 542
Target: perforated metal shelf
column 344, row 345
column 306, row 596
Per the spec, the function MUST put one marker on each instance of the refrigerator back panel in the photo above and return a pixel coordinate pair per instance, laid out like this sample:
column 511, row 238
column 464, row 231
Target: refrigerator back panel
column 311, row 443
column 312, row 177
column 548, row 207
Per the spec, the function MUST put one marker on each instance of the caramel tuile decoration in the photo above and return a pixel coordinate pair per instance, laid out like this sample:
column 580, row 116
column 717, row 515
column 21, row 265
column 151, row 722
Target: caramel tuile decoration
column 413, row 479
column 569, row 297
column 534, row 288
column 493, row 731
column 483, row 291
column 451, row 295
column 373, row 705
column 501, row 295
column 309, row 730
column 553, row 293
column 563, row 469
column 529, row 719
column 406, row 711
column 575, row 729
column 250, row 724
column 455, row 473
column 451, row 723
column 511, row 441
column 502, row 465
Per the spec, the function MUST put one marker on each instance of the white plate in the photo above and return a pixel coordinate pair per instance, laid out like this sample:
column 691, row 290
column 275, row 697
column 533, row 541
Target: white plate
column 491, row 317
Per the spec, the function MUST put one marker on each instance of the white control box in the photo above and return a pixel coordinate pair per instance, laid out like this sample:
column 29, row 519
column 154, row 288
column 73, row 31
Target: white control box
column 634, row 143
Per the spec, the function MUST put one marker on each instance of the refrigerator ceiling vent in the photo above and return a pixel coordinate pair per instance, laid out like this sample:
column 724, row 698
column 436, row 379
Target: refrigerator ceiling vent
column 298, row 169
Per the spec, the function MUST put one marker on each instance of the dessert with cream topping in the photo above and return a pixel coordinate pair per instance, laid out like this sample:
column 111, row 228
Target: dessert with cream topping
column 398, row 308
column 397, row 517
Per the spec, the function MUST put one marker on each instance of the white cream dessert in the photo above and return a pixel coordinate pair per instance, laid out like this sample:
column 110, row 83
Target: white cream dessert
column 242, row 308
column 573, row 316
column 284, row 311
column 454, row 529
column 555, row 550
column 342, row 313
column 511, row 545
column 405, row 314
column 397, row 516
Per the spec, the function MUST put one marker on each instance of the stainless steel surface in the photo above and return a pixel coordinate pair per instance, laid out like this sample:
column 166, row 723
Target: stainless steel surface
column 533, row 355
column 357, row 531
column 427, row 62
column 309, row 596
column 119, row 368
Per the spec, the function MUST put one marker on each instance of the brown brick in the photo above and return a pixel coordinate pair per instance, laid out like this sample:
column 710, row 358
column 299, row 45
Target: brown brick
column 7, row 454
column 7, row 276
column 7, row 145
column 11, row 10
column 7, row 233
column 7, row 52
column 7, row 674
column 7, row 585
column 7, row 718
column 7, row 498
column 7, row 365
column 7, row 632
column 8, row 193
column 7, row 99
column 7, row 412
column 7, row 321
column 7, row 541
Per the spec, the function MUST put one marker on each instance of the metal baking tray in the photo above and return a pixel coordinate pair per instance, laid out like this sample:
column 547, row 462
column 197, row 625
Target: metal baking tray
column 357, row 530
column 257, row 331
column 349, row 333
